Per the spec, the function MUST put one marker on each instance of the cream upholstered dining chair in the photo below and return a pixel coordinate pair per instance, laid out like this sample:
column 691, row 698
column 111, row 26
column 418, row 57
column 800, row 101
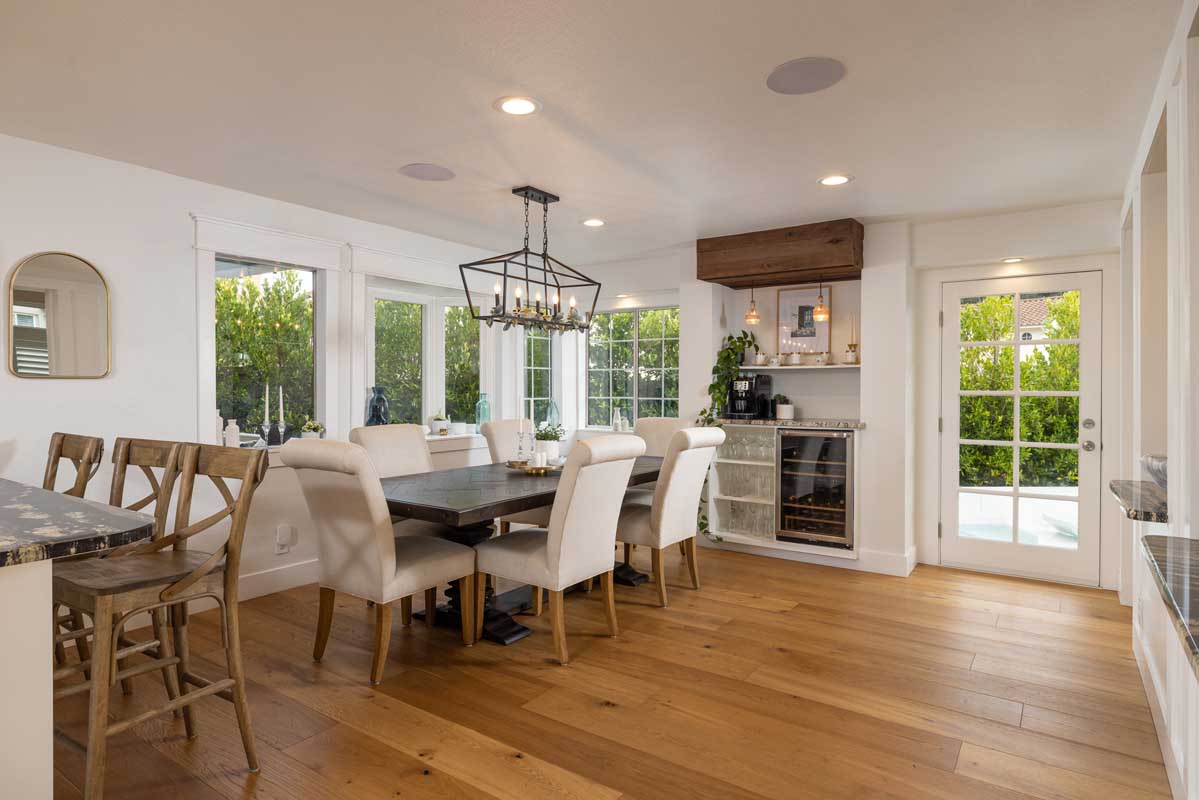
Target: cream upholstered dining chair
column 360, row 553
column 501, row 443
column 397, row 450
column 656, row 431
column 577, row 545
column 671, row 518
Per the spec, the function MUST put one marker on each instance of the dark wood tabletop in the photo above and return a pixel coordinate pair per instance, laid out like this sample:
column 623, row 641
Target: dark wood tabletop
column 36, row 525
column 469, row 496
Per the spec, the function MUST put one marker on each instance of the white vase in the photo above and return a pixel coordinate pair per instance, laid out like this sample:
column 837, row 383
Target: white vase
column 310, row 435
column 551, row 449
column 784, row 412
column 440, row 427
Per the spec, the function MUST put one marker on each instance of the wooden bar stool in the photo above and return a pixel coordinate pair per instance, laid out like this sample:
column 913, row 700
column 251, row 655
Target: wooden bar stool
column 145, row 455
column 85, row 452
column 162, row 574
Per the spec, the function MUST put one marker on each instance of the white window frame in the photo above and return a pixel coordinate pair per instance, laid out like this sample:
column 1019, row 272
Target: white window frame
column 557, row 370
column 485, row 353
column 584, row 362
column 429, row 351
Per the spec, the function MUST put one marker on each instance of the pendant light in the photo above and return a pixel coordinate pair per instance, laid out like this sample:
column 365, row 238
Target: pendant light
column 820, row 312
column 752, row 317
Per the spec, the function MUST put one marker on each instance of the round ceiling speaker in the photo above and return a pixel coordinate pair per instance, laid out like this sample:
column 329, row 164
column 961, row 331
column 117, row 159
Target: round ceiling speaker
column 805, row 75
column 427, row 172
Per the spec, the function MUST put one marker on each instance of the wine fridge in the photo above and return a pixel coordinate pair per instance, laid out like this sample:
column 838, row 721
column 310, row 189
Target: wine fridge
column 815, row 498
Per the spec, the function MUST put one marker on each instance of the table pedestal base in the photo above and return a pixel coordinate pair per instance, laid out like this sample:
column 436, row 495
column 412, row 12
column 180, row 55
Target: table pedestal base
column 625, row 575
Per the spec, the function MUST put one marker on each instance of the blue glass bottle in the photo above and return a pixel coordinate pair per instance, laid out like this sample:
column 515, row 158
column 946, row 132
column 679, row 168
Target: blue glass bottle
column 482, row 411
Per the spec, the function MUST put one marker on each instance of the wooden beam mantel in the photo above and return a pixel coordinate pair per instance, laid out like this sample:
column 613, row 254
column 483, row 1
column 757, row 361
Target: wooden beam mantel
column 829, row 251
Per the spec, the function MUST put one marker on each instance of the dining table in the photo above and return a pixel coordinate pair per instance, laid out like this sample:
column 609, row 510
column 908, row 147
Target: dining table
column 466, row 502
column 37, row 526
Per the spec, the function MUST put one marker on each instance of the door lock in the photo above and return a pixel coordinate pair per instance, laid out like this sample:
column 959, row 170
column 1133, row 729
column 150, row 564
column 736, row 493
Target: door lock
column 1088, row 423
column 1088, row 445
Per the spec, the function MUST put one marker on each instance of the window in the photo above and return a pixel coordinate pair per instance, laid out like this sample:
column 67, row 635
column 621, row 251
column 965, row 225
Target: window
column 461, row 364
column 633, row 365
column 399, row 357
column 264, row 335
column 539, row 372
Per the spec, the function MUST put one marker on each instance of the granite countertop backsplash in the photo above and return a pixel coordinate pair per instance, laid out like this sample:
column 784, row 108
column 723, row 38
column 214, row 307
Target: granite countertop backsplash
column 1143, row 501
column 813, row 422
column 1174, row 563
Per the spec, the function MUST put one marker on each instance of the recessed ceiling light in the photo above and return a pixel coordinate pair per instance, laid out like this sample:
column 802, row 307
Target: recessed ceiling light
column 427, row 172
column 835, row 180
column 1013, row 260
column 805, row 75
column 516, row 106
column 594, row 222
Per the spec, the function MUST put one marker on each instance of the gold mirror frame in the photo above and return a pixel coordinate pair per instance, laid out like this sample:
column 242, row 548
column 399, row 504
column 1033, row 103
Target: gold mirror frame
column 12, row 284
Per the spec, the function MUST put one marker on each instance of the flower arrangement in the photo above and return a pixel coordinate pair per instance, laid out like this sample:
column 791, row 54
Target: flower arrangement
column 549, row 433
column 312, row 426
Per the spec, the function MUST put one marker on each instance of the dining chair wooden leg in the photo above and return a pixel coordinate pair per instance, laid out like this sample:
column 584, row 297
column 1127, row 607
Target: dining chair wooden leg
column 183, row 668
column 608, row 588
column 406, row 611
column 81, row 646
column 97, row 718
column 466, row 602
column 693, row 562
column 683, row 548
column 324, row 622
column 587, row 585
column 628, row 553
column 430, row 607
column 659, row 574
column 558, row 625
column 537, row 600
column 480, row 596
column 238, row 673
column 382, row 640
column 162, row 632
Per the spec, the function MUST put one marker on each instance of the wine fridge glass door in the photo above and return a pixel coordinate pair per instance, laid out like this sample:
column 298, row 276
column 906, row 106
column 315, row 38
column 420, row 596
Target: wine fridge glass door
column 816, row 488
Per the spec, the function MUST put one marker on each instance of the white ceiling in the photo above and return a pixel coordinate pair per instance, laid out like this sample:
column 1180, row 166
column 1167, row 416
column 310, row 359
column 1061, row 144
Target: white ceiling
column 656, row 114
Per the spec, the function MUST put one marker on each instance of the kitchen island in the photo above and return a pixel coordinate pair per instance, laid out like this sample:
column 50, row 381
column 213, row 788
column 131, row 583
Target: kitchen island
column 35, row 527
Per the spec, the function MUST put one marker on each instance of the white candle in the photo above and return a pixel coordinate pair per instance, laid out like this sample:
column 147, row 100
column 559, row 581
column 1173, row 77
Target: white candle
column 266, row 404
column 280, row 405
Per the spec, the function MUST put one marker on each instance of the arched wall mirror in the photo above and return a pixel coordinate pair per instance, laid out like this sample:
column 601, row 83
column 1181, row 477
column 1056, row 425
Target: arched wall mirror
column 58, row 318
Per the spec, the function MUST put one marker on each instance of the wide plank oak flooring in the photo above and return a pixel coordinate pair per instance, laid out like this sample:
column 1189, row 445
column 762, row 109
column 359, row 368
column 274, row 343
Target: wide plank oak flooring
column 776, row 680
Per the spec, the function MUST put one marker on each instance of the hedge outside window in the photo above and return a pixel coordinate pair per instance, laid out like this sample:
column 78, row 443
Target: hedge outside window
column 633, row 365
column 264, row 335
column 539, row 371
column 461, row 364
column 399, row 348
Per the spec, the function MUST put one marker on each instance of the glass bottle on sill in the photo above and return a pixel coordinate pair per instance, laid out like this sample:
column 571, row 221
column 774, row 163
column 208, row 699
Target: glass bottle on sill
column 482, row 411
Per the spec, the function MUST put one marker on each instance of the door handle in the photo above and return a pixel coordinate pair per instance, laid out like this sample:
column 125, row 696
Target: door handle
column 1088, row 445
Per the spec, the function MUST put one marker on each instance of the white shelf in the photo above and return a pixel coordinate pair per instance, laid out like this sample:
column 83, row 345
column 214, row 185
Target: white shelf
column 745, row 463
column 782, row 368
column 762, row 501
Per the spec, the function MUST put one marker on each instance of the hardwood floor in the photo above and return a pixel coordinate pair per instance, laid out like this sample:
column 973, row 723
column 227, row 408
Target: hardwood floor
column 776, row 680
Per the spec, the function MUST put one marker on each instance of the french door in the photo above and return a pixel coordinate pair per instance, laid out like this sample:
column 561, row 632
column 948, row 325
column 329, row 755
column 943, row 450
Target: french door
column 1020, row 406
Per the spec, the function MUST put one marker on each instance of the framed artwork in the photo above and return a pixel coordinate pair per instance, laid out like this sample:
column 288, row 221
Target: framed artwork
column 797, row 331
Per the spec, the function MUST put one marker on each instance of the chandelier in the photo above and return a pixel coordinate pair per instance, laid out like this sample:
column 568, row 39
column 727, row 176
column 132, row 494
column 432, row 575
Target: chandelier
column 530, row 289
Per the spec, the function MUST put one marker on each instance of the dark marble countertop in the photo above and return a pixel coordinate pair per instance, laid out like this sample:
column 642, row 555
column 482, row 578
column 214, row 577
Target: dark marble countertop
column 1174, row 563
column 811, row 422
column 1143, row 501
column 36, row 525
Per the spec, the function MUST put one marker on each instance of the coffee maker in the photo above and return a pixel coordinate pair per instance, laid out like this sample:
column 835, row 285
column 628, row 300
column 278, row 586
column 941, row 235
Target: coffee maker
column 741, row 403
column 763, row 393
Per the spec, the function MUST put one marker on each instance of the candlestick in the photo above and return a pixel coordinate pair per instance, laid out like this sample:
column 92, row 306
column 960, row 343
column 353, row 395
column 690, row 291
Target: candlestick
column 266, row 404
column 497, row 294
column 537, row 303
column 517, row 298
column 557, row 305
column 280, row 405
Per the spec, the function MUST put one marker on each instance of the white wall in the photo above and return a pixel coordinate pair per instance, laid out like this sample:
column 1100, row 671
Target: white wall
column 135, row 225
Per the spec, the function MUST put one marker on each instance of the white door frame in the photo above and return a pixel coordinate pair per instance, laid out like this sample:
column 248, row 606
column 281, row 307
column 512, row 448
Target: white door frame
column 1075, row 566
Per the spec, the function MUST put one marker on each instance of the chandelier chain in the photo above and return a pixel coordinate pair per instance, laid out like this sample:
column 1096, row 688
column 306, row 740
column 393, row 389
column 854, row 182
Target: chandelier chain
column 526, row 223
column 545, row 231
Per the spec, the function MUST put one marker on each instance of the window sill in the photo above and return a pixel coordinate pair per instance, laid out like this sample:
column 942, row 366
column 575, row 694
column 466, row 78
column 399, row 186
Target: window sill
column 455, row 441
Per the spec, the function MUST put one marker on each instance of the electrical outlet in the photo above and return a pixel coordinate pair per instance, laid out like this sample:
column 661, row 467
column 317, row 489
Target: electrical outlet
column 285, row 537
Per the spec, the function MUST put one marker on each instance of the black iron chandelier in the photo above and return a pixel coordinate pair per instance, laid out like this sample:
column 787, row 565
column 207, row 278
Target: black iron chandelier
column 531, row 289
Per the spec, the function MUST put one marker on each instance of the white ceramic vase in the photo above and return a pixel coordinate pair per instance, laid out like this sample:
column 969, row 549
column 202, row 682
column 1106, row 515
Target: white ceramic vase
column 310, row 435
column 784, row 411
column 551, row 449
column 440, row 427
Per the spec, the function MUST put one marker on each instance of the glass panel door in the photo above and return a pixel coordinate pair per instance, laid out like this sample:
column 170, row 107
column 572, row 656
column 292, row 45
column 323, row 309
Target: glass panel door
column 1020, row 426
column 815, row 488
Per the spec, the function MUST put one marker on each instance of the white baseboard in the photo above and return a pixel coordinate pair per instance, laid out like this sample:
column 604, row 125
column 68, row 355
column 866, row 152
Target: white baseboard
column 887, row 563
column 278, row 579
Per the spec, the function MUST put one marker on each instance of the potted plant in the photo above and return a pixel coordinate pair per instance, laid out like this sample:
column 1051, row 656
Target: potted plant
column 312, row 429
column 783, row 407
column 726, row 368
column 441, row 424
column 549, row 441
